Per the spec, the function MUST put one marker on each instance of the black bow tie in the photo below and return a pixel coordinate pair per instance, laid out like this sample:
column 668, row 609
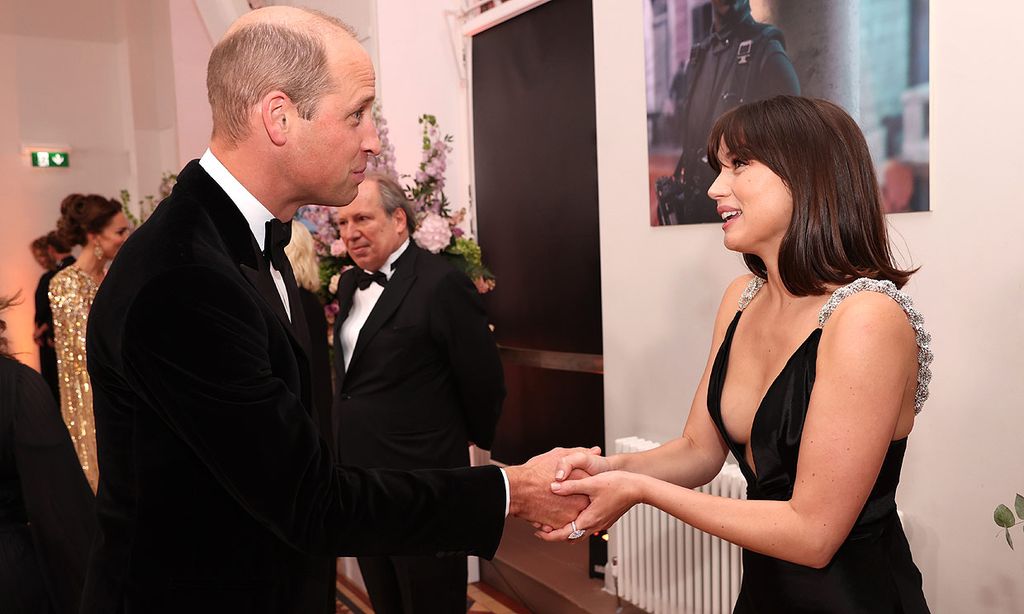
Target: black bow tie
column 276, row 239
column 364, row 279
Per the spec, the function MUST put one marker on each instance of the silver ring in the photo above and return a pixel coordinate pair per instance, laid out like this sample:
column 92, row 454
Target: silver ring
column 576, row 533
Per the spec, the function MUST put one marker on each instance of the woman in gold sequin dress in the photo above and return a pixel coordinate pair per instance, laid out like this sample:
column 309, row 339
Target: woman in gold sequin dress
column 100, row 227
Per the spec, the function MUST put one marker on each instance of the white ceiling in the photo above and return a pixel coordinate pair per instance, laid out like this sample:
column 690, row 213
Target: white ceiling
column 80, row 20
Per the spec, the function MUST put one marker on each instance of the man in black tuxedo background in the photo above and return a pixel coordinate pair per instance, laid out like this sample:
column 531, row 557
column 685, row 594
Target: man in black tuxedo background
column 217, row 493
column 418, row 377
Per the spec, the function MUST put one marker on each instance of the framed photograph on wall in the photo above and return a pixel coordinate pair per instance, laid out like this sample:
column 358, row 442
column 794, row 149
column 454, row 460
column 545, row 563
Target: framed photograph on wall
column 704, row 57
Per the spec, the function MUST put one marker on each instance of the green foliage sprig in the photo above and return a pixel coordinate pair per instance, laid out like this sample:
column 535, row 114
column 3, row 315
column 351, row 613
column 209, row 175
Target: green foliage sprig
column 1005, row 519
column 147, row 204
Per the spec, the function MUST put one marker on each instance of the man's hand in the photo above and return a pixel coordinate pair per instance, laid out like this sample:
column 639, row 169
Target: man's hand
column 530, row 490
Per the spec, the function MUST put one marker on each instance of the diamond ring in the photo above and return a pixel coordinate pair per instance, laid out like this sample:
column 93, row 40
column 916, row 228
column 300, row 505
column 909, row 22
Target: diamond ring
column 576, row 533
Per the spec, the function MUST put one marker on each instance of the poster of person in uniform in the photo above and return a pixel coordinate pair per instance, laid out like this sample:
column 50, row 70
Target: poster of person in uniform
column 704, row 57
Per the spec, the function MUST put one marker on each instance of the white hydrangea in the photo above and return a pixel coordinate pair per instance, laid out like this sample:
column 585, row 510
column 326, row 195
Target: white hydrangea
column 434, row 233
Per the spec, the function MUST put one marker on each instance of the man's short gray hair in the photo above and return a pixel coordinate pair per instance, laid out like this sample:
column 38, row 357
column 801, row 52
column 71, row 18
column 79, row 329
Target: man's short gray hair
column 393, row 197
column 259, row 58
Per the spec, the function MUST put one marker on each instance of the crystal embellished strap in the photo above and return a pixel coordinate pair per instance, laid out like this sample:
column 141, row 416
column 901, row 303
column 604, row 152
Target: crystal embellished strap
column 748, row 293
column 924, row 352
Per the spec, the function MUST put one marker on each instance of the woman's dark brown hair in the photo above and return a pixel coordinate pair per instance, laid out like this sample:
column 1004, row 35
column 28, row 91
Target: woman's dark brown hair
column 81, row 214
column 38, row 245
column 837, row 233
column 53, row 240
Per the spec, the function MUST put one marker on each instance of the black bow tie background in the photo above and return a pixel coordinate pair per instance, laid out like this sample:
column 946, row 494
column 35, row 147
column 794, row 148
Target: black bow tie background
column 276, row 239
column 364, row 279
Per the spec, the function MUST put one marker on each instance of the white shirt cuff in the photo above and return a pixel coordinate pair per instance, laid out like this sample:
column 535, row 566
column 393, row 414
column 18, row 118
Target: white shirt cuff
column 508, row 495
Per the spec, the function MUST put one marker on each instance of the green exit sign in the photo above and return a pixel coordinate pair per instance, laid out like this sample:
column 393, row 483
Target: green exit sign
column 50, row 158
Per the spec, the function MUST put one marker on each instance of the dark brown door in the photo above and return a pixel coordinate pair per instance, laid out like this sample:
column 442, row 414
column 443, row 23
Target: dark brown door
column 536, row 194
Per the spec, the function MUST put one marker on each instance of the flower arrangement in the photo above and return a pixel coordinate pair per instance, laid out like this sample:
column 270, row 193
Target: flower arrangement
column 437, row 228
column 147, row 204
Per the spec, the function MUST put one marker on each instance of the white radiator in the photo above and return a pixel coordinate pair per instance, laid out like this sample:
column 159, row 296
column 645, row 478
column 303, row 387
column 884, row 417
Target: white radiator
column 664, row 565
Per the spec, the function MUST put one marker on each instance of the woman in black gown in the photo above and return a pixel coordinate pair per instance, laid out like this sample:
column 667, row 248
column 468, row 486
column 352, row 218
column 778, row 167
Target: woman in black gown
column 46, row 506
column 818, row 367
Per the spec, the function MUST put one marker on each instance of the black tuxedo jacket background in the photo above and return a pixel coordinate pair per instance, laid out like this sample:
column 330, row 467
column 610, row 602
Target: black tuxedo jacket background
column 425, row 377
column 216, row 492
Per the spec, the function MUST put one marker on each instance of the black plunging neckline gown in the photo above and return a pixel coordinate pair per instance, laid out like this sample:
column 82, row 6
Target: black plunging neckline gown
column 873, row 570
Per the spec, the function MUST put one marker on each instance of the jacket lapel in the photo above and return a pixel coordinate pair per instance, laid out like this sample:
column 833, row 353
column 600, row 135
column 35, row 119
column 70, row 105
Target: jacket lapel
column 390, row 299
column 241, row 246
column 346, row 290
column 299, row 327
column 261, row 279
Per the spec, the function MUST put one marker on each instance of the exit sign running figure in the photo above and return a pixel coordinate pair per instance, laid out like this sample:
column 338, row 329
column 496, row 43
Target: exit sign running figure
column 50, row 158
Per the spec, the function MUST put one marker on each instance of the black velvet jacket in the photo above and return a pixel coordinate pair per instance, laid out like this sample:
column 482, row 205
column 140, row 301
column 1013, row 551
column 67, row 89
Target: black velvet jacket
column 216, row 491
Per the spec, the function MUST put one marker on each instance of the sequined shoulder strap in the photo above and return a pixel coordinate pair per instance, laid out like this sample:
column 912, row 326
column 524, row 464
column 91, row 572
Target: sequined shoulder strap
column 924, row 353
column 750, row 291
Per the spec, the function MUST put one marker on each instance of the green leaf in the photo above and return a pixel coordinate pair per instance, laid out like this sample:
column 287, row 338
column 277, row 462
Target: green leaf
column 1008, row 540
column 1018, row 503
column 1003, row 517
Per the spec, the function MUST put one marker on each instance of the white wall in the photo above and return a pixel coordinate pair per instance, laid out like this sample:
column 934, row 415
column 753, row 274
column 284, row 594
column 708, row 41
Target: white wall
column 190, row 49
column 417, row 73
column 64, row 86
column 97, row 77
column 964, row 457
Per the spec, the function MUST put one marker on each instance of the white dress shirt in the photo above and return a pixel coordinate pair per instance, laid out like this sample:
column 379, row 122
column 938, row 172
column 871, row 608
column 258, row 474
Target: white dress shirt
column 363, row 302
column 252, row 210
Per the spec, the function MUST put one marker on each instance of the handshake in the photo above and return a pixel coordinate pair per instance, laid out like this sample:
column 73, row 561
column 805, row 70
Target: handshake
column 568, row 492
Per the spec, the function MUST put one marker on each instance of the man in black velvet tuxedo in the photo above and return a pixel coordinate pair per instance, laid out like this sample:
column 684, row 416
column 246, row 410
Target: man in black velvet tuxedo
column 217, row 493
column 418, row 377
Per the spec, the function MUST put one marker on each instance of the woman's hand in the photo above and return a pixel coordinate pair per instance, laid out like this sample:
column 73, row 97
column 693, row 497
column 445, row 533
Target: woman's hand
column 574, row 466
column 611, row 494
column 563, row 469
column 591, row 462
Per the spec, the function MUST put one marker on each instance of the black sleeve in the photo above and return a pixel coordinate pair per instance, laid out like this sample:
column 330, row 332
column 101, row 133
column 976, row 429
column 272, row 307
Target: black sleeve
column 42, row 299
column 58, row 500
column 196, row 349
column 777, row 74
column 459, row 321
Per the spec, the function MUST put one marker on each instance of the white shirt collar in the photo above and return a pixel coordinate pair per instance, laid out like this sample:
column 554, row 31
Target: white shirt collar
column 256, row 215
column 395, row 255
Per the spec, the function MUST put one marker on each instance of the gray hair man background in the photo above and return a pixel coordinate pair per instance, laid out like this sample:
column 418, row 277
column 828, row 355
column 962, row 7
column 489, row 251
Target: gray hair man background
column 418, row 378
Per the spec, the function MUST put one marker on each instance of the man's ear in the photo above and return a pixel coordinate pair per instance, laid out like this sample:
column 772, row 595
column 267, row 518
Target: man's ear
column 400, row 217
column 276, row 113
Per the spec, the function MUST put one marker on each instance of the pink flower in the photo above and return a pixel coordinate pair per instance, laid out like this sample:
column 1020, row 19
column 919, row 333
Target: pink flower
column 338, row 248
column 434, row 233
column 330, row 313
